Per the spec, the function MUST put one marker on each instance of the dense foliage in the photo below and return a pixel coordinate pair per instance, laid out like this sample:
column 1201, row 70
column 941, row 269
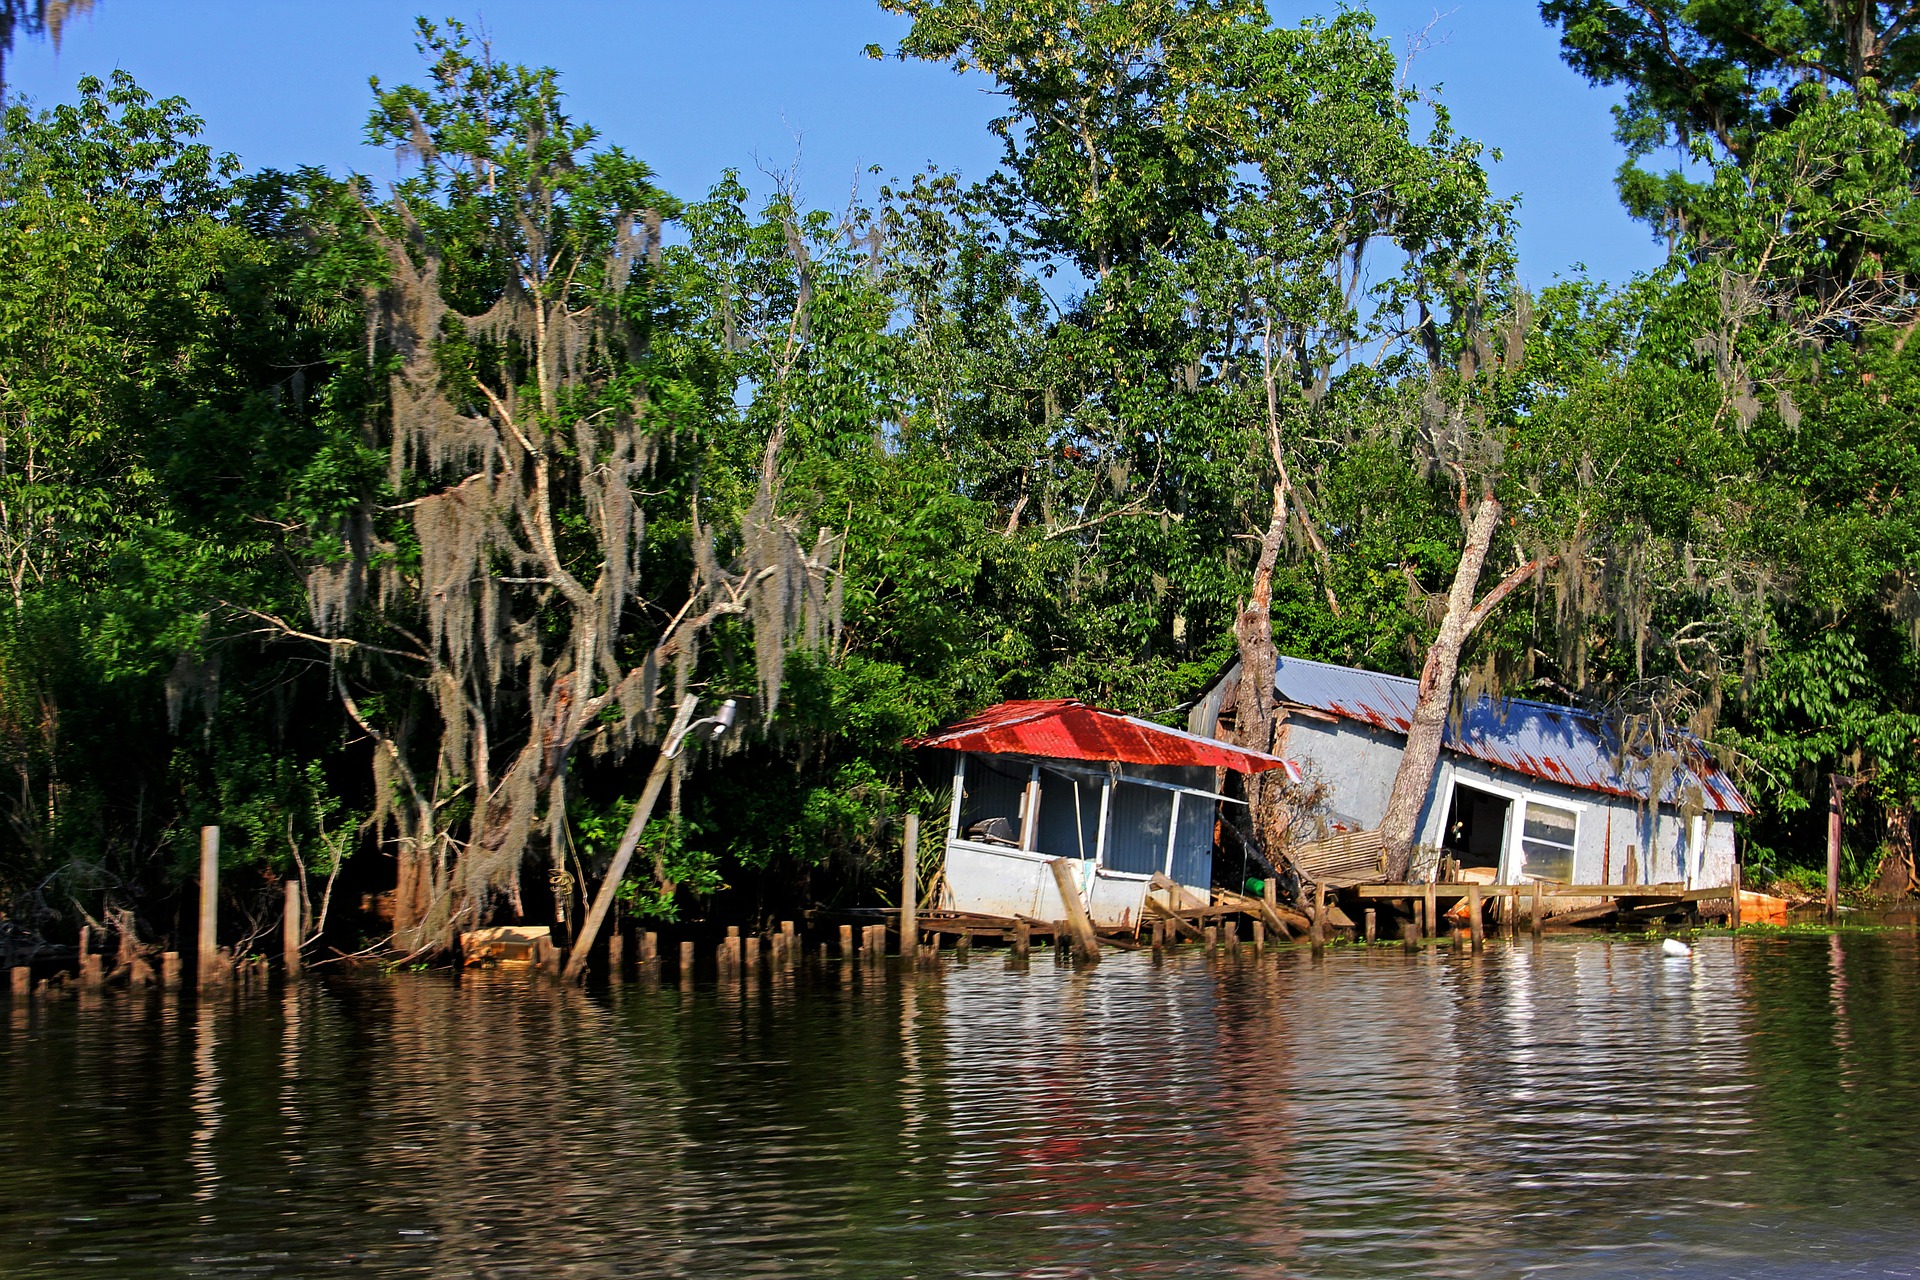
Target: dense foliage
column 387, row 531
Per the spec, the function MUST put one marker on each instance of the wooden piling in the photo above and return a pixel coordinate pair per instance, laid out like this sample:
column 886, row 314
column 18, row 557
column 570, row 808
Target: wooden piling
column 210, row 967
column 22, row 982
column 616, row 956
column 1372, row 924
column 1633, row 865
column 292, row 929
column 846, row 942
column 1086, row 943
column 1259, row 937
column 789, row 945
column 752, row 944
column 140, row 973
column 1733, row 910
column 170, row 970
column 686, row 962
column 910, row 888
column 1410, row 927
column 1317, row 931
column 962, row 949
column 1212, row 936
column 1833, row 846
column 1474, row 921
column 1539, row 909
column 1022, row 939
column 1430, row 922
column 649, row 947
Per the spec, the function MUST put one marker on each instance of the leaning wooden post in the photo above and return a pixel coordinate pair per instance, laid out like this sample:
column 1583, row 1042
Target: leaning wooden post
column 1539, row 909
column 1085, row 941
column 1473, row 917
column 1733, row 910
column 209, row 906
column 291, row 928
column 622, row 856
column 1833, row 847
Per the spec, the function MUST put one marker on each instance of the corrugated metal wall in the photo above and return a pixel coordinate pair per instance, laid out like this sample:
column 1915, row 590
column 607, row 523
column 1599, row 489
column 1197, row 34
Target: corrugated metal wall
column 1069, row 816
column 993, row 791
column 1137, row 833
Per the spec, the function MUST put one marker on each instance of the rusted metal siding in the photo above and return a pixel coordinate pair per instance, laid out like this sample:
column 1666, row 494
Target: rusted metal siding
column 1063, row 729
column 1538, row 739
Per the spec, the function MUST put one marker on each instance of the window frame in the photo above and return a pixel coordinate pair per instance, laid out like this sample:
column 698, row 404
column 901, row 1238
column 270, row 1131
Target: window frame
column 1518, row 852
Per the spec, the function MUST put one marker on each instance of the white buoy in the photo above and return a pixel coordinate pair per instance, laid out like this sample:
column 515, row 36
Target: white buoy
column 1675, row 947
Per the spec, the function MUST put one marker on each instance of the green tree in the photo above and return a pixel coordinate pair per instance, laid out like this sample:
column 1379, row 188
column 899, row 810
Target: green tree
column 513, row 593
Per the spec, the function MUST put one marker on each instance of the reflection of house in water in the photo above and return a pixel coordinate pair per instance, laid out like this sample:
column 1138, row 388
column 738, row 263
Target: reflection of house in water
column 1122, row 799
column 1524, row 791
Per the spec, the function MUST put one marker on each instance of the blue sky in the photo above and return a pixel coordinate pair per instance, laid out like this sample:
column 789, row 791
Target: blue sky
column 697, row 87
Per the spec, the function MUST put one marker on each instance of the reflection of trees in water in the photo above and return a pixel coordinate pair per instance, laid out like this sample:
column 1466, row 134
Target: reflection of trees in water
column 1836, row 1064
column 1445, row 1114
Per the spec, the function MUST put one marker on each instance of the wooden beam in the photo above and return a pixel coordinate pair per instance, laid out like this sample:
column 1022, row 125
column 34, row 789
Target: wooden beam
column 1461, row 889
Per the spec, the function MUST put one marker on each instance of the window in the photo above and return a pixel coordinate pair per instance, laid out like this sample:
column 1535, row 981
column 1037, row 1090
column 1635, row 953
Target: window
column 1547, row 842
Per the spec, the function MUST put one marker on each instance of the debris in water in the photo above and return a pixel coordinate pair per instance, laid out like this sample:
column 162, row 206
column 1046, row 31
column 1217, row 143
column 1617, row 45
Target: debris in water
column 1675, row 947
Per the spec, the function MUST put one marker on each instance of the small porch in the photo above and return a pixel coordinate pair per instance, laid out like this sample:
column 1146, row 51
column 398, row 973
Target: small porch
column 1128, row 805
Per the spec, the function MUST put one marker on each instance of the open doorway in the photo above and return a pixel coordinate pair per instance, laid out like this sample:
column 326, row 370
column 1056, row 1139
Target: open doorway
column 1479, row 824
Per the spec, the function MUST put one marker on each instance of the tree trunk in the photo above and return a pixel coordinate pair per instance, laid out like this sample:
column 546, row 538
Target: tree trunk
column 1254, row 720
column 1417, row 763
column 1897, row 877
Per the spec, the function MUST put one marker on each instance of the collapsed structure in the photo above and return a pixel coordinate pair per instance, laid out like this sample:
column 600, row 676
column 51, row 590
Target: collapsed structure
column 1525, row 791
column 1128, row 803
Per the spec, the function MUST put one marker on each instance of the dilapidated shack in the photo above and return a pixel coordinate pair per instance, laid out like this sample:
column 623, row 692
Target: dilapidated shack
column 1123, row 800
column 1525, row 790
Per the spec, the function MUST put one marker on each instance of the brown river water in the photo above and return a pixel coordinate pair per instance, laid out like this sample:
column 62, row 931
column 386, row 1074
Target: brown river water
column 1578, row 1107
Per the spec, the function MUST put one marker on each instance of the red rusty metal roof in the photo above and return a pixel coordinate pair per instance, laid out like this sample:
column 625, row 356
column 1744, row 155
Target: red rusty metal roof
column 1063, row 729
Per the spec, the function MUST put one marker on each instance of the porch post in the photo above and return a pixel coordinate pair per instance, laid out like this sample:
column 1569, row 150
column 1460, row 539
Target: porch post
column 1030, row 820
column 1173, row 833
column 1100, row 836
column 959, row 789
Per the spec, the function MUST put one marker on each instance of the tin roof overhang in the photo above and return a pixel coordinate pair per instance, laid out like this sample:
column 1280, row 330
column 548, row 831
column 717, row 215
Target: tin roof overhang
column 1063, row 729
column 1554, row 743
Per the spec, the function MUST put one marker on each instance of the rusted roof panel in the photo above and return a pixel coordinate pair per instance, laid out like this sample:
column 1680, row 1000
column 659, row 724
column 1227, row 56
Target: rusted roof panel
column 1062, row 729
column 1538, row 739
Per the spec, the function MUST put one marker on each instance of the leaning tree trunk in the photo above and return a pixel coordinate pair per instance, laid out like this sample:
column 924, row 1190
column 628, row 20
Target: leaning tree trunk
column 1254, row 712
column 1417, row 763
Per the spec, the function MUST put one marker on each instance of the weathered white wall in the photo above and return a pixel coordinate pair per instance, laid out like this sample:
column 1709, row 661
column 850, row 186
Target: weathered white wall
column 1358, row 762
